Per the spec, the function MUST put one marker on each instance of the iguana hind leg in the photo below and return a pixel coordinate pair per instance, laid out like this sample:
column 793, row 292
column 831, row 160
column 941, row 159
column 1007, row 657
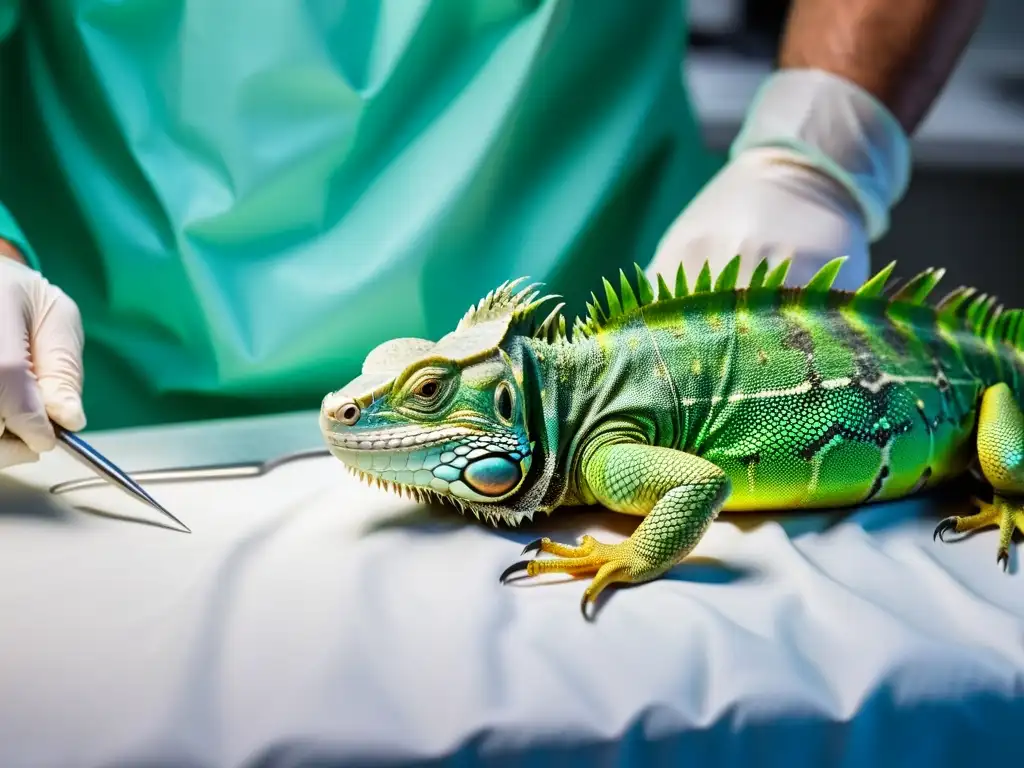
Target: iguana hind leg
column 1001, row 456
column 679, row 495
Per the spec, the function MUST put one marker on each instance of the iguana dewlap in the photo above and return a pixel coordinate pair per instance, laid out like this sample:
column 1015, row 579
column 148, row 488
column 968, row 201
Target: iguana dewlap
column 676, row 406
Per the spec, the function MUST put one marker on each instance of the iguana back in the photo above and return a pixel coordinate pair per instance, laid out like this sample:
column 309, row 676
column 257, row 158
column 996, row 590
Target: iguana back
column 810, row 400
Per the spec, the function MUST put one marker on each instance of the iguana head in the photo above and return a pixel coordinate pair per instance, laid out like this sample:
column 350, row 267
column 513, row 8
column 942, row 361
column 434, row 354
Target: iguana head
column 446, row 419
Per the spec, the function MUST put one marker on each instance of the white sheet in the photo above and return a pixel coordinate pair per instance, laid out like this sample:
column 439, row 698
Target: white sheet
column 312, row 620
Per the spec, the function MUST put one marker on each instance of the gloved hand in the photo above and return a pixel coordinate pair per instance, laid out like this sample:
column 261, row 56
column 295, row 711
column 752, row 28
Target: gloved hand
column 812, row 175
column 41, row 343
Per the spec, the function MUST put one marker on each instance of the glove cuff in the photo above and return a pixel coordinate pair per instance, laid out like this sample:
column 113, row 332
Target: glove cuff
column 838, row 128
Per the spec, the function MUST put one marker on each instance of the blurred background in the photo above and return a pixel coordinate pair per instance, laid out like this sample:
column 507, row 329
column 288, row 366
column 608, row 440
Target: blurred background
column 964, row 209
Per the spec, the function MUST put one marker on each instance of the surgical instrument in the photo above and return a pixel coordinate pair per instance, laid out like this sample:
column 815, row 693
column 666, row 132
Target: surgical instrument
column 201, row 473
column 108, row 472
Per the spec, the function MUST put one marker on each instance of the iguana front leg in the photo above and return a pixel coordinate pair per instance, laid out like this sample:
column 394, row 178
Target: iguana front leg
column 678, row 494
column 1001, row 455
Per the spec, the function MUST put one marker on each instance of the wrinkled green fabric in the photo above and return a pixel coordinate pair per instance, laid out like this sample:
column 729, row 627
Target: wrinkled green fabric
column 244, row 198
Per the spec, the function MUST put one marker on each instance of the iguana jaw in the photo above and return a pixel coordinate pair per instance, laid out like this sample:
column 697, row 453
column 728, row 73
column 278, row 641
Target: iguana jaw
column 461, row 464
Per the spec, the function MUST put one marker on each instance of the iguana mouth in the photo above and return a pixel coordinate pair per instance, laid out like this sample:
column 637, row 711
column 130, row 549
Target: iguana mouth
column 395, row 440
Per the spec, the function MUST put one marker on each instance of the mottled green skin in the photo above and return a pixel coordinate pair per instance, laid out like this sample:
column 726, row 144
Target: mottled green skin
column 802, row 400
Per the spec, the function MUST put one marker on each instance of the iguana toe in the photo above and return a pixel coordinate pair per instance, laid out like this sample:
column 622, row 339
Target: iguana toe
column 1005, row 513
column 533, row 546
column 512, row 569
column 610, row 563
column 944, row 525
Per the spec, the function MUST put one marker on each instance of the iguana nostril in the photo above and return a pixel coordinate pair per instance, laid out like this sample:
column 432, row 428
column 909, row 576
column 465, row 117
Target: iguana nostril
column 348, row 414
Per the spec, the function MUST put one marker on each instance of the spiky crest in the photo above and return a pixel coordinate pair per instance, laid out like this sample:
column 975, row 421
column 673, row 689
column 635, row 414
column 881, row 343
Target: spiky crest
column 874, row 286
column 917, row 289
column 758, row 276
column 761, row 279
column 962, row 308
column 507, row 310
column 506, row 302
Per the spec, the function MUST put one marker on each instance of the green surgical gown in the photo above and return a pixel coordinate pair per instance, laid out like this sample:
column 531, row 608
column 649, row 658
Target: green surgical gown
column 245, row 197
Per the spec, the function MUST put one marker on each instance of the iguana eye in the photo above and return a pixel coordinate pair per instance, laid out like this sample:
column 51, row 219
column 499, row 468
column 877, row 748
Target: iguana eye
column 503, row 402
column 428, row 389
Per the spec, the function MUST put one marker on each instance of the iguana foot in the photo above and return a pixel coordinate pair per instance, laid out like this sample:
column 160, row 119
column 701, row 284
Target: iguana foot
column 611, row 562
column 1007, row 514
column 677, row 494
column 1000, row 455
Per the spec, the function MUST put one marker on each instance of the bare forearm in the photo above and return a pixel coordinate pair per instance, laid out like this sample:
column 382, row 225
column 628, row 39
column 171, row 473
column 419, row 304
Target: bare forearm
column 901, row 51
column 9, row 251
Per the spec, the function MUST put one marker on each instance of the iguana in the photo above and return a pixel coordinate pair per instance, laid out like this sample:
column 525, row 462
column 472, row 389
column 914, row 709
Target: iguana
column 677, row 405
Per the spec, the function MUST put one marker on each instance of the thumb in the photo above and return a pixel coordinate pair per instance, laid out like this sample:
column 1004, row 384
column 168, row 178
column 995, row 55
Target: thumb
column 56, row 341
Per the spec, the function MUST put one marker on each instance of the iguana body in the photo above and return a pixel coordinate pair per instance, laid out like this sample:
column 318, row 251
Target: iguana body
column 676, row 406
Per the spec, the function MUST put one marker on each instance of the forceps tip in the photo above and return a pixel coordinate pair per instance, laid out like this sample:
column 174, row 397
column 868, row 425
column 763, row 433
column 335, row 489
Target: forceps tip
column 184, row 528
column 110, row 472
column 160, row 508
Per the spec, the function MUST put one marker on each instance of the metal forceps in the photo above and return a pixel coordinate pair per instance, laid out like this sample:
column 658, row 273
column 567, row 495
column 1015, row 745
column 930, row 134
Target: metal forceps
column 186, row 474
column 80, row 450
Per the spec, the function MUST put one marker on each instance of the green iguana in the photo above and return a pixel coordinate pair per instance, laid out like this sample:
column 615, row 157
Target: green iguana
column 678, row 405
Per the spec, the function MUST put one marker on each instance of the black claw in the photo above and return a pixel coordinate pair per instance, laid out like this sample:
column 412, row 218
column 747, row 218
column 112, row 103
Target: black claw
column 1003, row 558
column 520, row 566
column 943, row 526
column 533, row 546
column 583, row 608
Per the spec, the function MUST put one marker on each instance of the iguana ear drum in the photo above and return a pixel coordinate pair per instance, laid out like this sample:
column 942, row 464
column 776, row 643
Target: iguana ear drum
column 492, row 475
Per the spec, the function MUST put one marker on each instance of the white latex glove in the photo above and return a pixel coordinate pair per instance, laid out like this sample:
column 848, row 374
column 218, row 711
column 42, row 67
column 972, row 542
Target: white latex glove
column 41, row 343
column 813, row 175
